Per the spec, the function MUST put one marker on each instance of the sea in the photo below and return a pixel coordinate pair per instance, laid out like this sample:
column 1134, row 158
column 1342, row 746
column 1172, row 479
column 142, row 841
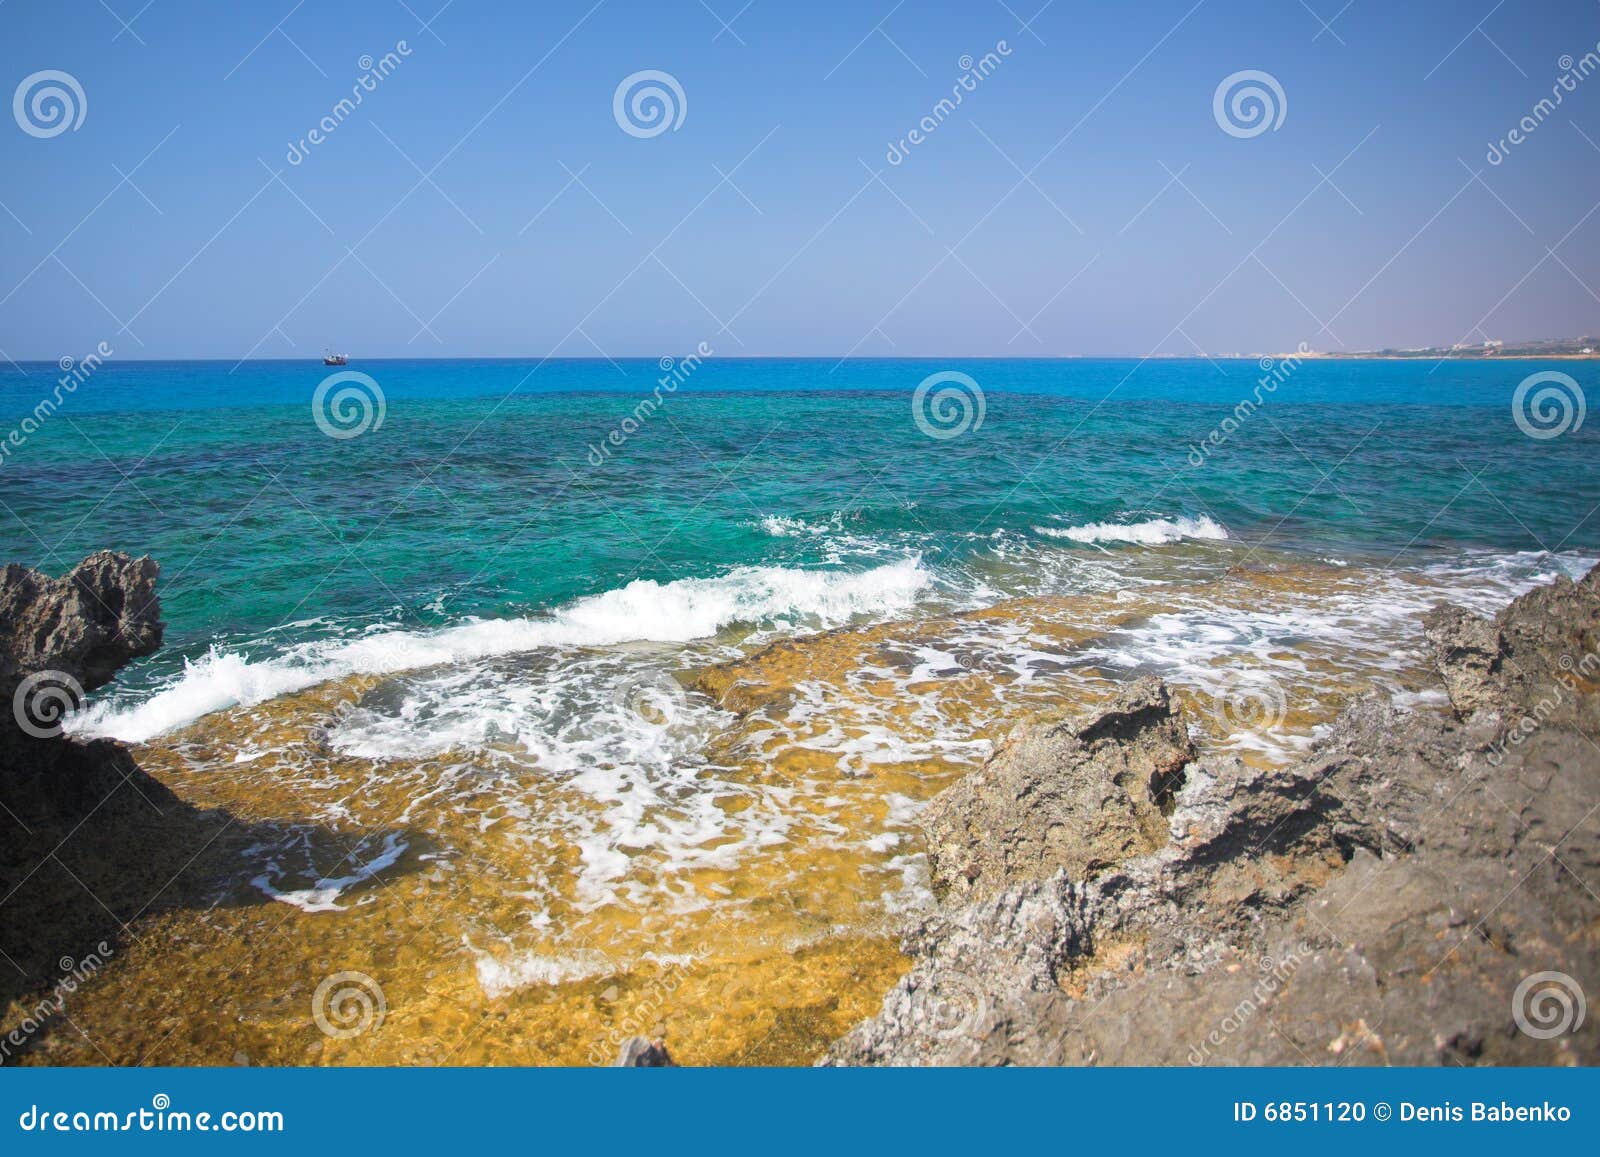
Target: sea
column 624, row 682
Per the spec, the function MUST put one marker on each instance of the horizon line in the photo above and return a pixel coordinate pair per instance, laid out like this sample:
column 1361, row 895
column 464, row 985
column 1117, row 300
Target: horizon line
column 1420, row 354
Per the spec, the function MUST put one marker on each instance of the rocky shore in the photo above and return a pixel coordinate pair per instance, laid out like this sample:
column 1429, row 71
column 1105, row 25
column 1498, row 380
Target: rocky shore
column 1421, row 889
column 90, row 843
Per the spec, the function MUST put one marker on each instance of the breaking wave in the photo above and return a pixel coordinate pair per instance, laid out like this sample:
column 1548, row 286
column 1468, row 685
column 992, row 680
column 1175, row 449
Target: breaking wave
column 1152, row 532
column 643, row 611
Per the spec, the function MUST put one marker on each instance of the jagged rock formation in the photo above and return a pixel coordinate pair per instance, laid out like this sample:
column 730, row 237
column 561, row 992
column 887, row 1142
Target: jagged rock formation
column 1466, row 650
column 60, row 638
column 1420, row 890
column 1077, row 798
column 86, row 625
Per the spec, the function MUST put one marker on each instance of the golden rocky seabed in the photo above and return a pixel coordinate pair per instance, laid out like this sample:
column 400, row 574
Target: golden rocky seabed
column 483, row 948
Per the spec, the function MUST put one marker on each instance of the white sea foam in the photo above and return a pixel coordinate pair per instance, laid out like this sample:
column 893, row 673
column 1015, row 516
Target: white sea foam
column 1151, row 532
column 322, row 895
column 782, row 526
column 644, row 610
column 1372, row 627
column 498, row 975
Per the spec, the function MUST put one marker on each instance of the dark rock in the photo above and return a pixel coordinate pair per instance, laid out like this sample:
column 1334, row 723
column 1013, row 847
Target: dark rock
column 640, row 1052
column 1080, row 797
column 1466, row 651
column 1539, row 657
column 86, row 625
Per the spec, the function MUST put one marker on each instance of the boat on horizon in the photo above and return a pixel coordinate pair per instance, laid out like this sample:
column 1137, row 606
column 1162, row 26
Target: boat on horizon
column 333, row 359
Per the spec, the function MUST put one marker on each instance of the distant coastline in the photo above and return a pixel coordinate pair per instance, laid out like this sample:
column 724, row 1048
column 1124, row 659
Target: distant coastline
column 1574, row 349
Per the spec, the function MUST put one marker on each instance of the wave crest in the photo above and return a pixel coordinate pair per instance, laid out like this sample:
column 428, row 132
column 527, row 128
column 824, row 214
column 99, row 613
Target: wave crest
column 1151, row 532
column 642, row 611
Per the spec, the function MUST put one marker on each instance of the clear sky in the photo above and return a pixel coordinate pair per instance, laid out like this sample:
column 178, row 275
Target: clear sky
column 1083, row 198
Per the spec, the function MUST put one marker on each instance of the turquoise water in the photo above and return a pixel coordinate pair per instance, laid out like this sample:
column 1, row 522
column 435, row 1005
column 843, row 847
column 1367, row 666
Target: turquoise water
column 479, row 495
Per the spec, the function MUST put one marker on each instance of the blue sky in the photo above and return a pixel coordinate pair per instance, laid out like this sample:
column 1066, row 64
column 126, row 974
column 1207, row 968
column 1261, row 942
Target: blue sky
column 1083, row 198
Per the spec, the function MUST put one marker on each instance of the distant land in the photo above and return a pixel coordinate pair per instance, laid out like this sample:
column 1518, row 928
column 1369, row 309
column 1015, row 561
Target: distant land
column 1561, row 347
